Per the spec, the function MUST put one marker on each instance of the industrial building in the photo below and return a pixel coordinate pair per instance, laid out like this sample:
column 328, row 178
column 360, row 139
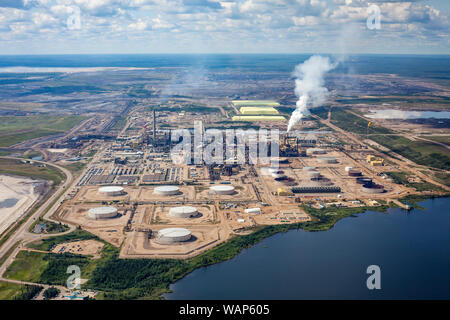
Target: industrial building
column 111, row 191
column 173, row 235
column 375, row 161
column 321, row 189
column 102, row 213
column 183, row 212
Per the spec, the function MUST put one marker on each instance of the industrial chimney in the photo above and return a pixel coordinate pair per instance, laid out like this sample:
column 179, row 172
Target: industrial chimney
column 154, row 127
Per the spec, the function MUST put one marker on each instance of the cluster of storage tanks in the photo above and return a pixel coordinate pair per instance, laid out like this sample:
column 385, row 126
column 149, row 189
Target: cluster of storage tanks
column 368, row 185
column 315, row 178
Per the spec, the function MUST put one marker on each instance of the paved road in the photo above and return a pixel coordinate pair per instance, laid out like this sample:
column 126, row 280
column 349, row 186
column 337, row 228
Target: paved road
column 21, row 234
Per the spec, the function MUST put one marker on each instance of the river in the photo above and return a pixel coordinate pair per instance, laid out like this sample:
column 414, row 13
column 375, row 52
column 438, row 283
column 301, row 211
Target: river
column 412, row 250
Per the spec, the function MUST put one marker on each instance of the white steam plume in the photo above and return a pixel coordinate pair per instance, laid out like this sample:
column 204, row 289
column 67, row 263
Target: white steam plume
column 309, row 86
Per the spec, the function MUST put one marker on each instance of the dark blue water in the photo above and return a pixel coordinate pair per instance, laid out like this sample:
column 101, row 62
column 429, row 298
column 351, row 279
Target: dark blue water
column 412, row 249
column 432, row 66
column 8, row 203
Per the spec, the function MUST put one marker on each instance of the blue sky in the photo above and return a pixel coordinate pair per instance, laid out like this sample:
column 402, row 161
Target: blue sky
column 216, row 26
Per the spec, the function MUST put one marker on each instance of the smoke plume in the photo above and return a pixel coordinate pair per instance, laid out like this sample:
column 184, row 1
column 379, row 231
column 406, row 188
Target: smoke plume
column 309, row 86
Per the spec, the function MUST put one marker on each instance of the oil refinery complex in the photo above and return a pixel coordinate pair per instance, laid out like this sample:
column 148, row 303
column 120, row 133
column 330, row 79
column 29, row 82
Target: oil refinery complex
column 134, row 196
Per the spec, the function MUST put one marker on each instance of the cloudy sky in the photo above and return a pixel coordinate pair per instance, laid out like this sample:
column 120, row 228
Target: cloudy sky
column 215, row 26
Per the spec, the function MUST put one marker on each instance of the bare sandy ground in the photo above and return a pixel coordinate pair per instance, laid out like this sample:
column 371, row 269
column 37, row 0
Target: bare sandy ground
column 18, row 188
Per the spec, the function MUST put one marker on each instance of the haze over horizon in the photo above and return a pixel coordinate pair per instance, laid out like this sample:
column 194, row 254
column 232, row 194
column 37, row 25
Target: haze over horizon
column 210, row 26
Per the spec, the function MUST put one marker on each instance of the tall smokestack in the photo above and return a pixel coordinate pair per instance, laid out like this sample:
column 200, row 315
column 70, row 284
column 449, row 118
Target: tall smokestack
column 154, row 127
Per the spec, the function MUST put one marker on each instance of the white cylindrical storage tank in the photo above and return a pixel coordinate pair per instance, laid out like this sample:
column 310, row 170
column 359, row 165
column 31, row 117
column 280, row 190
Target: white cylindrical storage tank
column 311, row 151
column 173, row 235
column 183, row 212
column 277, row 175
column 253, row 210
column 373, row 188
column 102, row 213
column 222, row 189
column 313, row 174
column 327, row 160
column 111, row 191
column 167, row 190
column 273, row 170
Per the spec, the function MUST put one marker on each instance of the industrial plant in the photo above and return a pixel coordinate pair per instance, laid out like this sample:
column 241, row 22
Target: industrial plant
column 136, row 197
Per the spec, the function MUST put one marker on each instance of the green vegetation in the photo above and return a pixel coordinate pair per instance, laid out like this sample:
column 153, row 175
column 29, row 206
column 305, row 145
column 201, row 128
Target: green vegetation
column 150, row 278
column 416, row 101
column 421, row 152
column 15, row 129
column 441, row 139
column 28, row 292
column 35, row 170
column 120, row 123
column 241, row 103
column 75, row 167
column 51, row 292
column 27, row 266
column 324, row 219
column 9, row 290
column 48, row 243
column 352, row 123
column 50, row 227
column 400, row 178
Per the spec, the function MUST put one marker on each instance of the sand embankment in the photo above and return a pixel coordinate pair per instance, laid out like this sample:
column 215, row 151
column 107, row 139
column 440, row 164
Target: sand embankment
column 17, row 194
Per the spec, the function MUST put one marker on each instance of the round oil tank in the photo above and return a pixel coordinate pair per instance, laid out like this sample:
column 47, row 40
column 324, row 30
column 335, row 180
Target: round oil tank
column 327, row 160
column 102, row 213
column 222, row 189
column 167, row 190
column 373, row 188
column 111, row 190
column 183, row 212
column 273, row 170
column 354, row 173
column 173, row 235
column 362, row 180
column 311, row 151
column 278, row 175
column 321, row 181
column 313, row 174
